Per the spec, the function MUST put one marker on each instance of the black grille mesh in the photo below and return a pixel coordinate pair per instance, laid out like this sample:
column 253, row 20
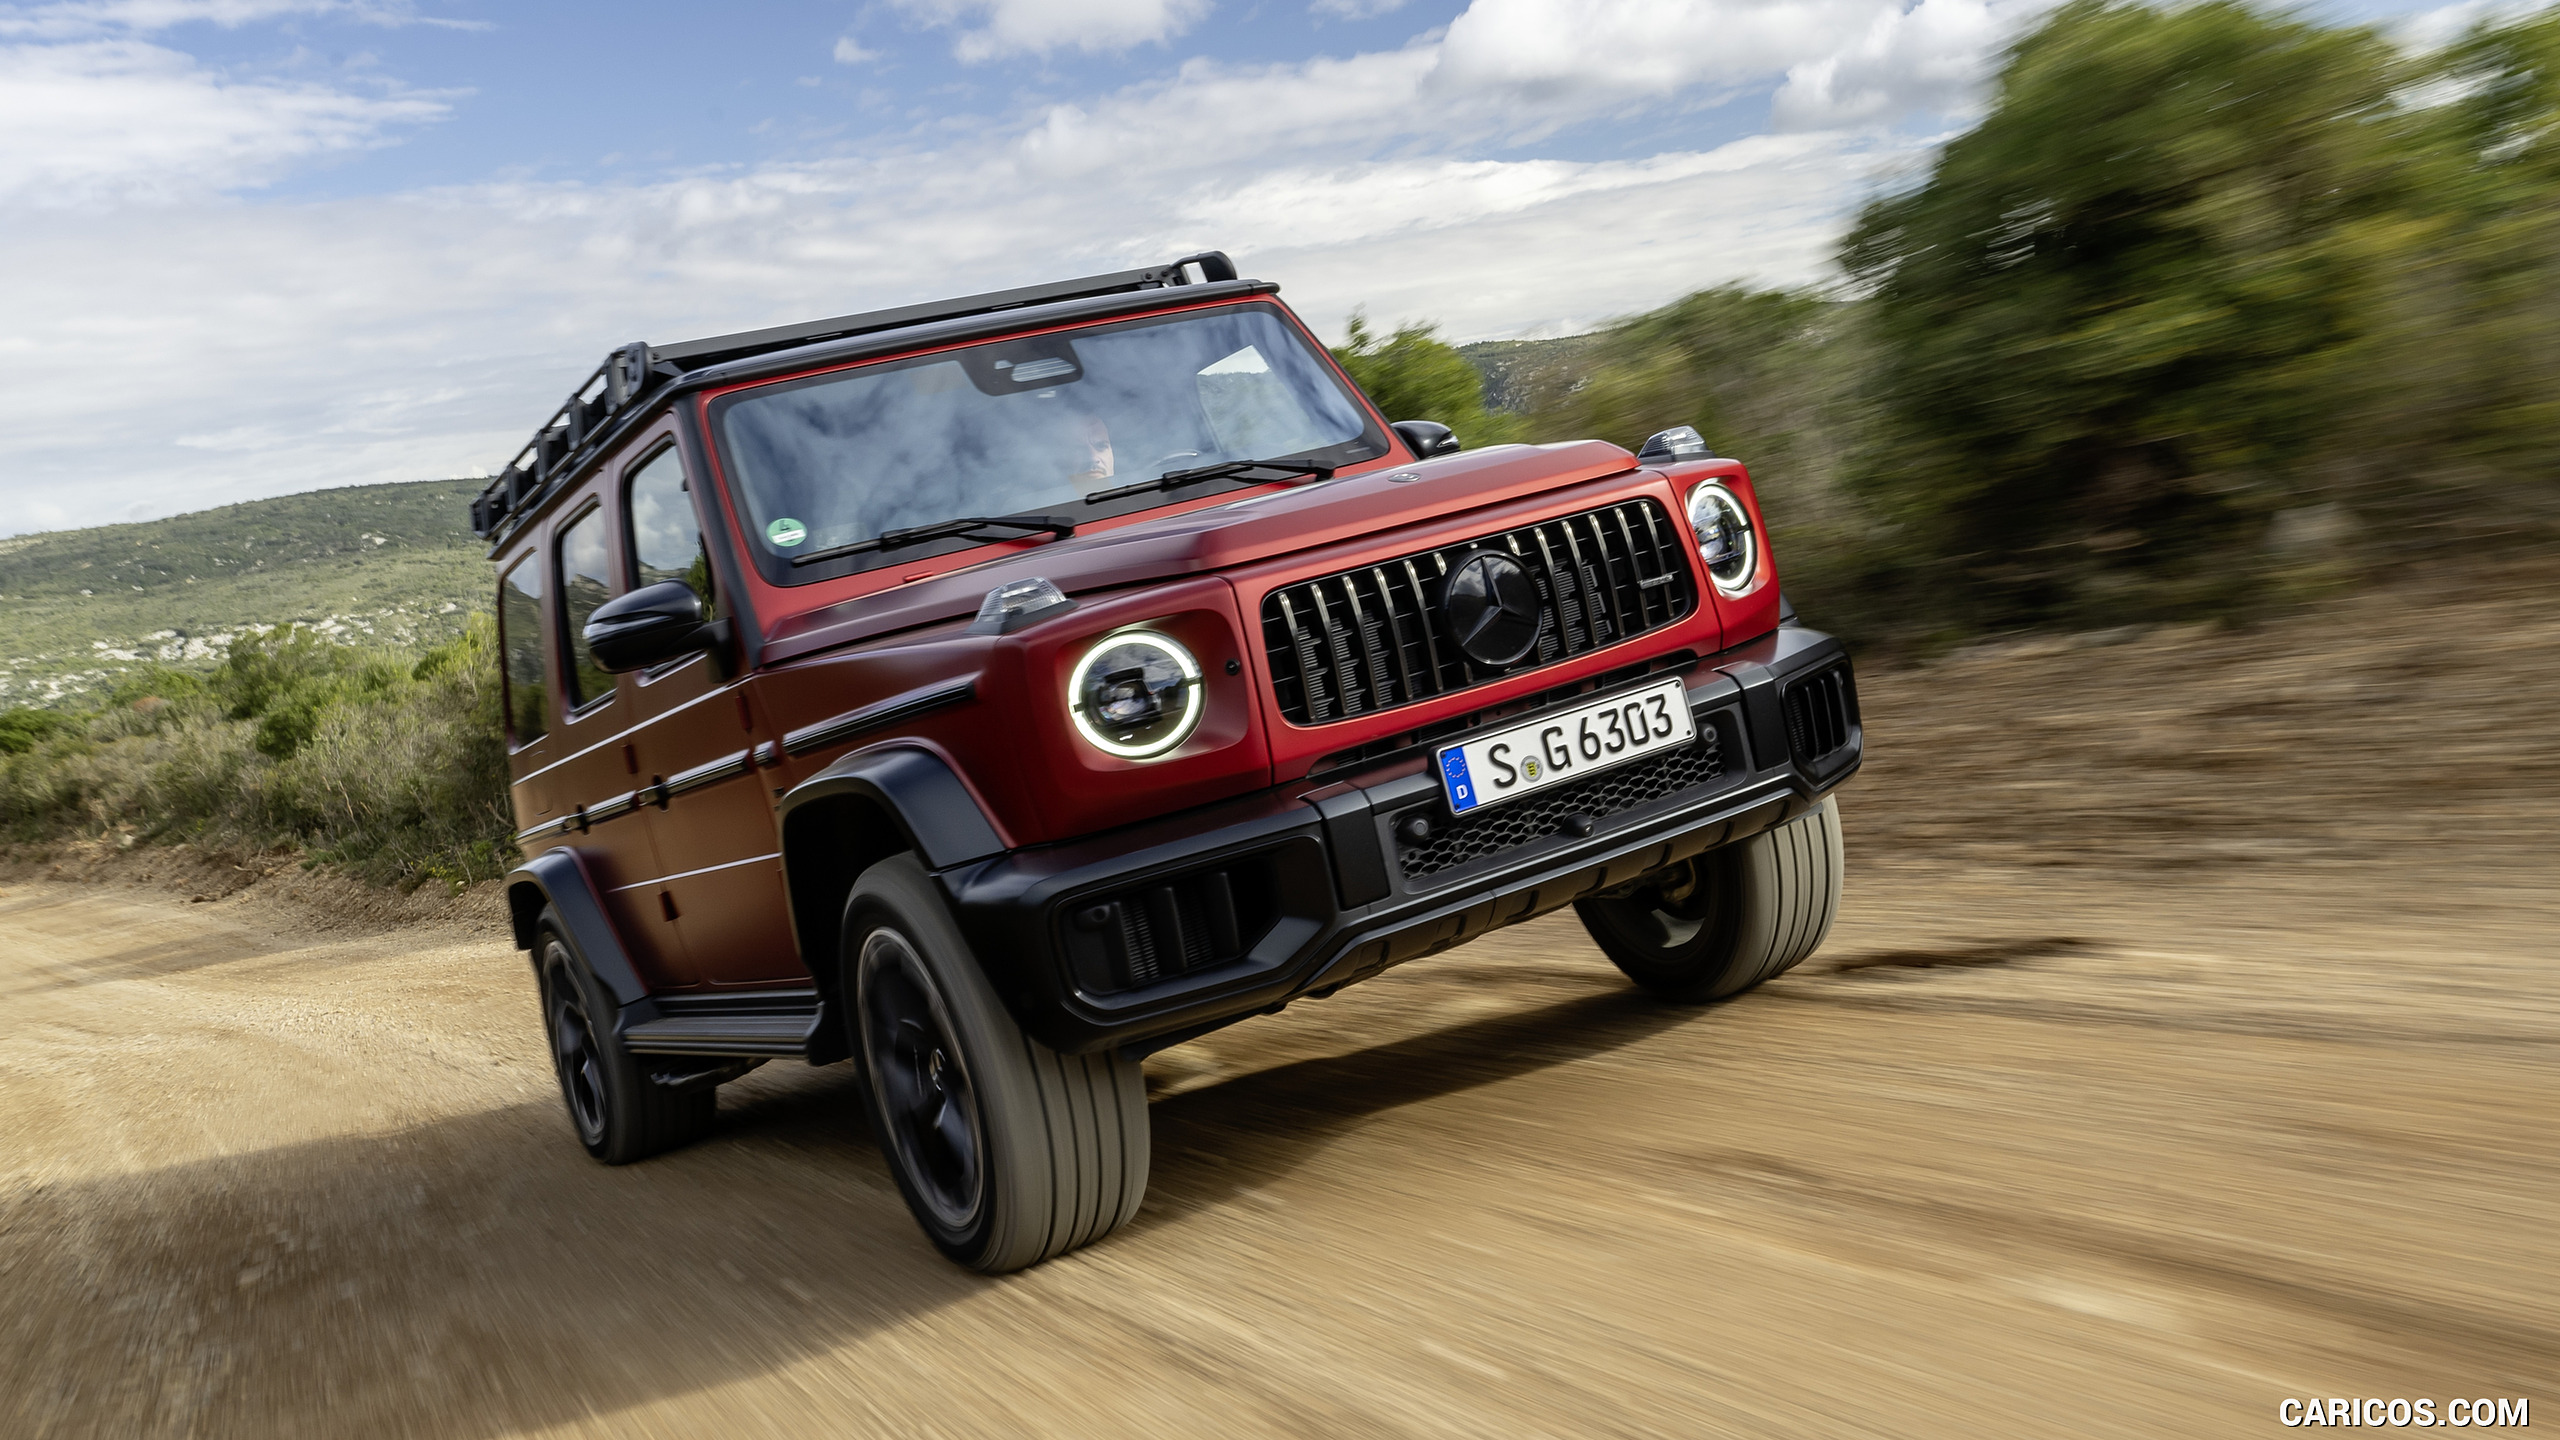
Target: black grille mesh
column 1820, row 710
column 1374, row 638
column 1455, row 842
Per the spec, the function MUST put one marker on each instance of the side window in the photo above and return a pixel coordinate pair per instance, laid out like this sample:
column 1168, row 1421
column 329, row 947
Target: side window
column 666, row 544
column 520, row 636
column 584, row 586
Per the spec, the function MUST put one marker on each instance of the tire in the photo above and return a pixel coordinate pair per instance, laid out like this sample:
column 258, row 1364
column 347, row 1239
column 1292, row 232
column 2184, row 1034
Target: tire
column 1723, row 922
column 1007, row 1151
column 618, row 1112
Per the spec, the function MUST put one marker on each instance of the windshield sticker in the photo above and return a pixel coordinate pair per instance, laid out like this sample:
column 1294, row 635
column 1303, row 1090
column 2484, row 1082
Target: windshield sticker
column 786, row 532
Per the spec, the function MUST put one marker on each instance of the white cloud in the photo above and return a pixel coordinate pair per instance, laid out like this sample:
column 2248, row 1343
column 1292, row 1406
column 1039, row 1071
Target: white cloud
column 849, row 53
column 1356, row 9
column 85, row 19
column 1307, row 207
column 1844, row 60
column 221, row 349
column 251, row 350
column 106, row 120
column 2427, row 30
column 1516, row 70
column 993, row 28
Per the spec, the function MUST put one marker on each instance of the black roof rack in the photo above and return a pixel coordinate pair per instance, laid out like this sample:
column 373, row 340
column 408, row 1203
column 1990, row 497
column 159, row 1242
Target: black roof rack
column 597, row 411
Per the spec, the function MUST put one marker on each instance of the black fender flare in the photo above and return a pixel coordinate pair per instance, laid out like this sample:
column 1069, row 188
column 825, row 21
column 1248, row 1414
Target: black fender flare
column 935, row 814
column 859, row 811
column 557, row 878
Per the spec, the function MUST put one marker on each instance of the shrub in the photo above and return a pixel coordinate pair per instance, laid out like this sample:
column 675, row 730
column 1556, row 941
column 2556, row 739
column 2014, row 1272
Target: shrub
column 389, row 765
column 1412, row 375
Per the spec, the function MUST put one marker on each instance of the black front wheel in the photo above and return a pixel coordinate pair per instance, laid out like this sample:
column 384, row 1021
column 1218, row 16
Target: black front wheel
column 1727, row 920
column 1008, row 1152
column 928, row 1109
column 618, row 1111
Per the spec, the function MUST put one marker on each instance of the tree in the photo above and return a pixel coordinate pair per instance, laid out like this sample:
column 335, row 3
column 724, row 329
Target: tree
column 1412, row 375
column 2117, row 314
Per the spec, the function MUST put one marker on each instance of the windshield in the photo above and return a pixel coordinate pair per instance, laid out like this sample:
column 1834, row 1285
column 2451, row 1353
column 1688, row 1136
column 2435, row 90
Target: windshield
column 1028, row 426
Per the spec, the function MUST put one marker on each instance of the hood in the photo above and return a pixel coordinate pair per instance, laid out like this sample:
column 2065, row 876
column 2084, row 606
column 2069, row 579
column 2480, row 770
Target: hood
column 1216, row 537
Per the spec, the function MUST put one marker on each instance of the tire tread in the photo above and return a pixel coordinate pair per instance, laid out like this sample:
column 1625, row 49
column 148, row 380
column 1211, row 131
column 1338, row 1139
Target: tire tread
column 1067, row 1135
column 1782, row 892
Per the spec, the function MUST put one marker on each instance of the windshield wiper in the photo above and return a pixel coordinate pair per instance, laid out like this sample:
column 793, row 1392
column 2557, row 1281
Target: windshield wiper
column 940, row 530
column 1225, row 470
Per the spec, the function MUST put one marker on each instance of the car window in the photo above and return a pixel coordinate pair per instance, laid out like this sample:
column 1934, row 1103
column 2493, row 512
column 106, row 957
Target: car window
column 520, row 637
column 666, row 544
column 1029, row 425
column 1254, row 411
column 584, row 586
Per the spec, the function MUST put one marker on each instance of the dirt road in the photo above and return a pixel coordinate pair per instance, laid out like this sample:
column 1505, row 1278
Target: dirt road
column 2125, row 1101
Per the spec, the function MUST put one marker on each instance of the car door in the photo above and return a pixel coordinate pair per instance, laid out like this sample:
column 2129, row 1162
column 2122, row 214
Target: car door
column 597, row 761
column 696, row 732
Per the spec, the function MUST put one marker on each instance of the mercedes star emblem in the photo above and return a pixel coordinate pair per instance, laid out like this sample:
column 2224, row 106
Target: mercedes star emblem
column 1492, row 605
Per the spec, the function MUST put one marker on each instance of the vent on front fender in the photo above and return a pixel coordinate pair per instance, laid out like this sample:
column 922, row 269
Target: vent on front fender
column 1375, row 638
column 1821, row 711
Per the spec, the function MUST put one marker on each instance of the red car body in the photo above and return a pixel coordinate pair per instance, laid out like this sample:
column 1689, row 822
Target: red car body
column 694, row 826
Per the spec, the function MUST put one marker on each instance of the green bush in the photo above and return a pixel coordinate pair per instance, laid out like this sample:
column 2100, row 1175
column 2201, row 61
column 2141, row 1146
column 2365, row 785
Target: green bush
column 1412, row 375
column 391, row 766
column 21, row 730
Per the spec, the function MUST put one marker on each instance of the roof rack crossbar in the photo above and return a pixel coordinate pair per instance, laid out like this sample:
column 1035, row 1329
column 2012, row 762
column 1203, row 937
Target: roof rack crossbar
column 562, row 444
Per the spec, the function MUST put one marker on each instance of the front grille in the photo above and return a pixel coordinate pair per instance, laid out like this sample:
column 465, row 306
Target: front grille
column 1820, row 711
column 1375, row 638
column 1455, row 842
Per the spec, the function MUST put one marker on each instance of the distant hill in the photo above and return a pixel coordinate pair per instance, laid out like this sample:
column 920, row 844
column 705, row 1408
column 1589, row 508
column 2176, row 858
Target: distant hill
column 1511, row 368
column 394, row 564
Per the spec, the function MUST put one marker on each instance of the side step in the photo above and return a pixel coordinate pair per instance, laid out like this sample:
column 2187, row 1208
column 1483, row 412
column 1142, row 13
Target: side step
column 768, row 1023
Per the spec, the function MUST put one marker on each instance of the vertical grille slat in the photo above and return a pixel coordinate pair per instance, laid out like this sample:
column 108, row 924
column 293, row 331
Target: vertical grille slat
column 1422, row 608
column 1397, row 624
column 1572, row 629
column 1370, row 645
column 1335, row 651
column 1374, row 638
column 1604, row 578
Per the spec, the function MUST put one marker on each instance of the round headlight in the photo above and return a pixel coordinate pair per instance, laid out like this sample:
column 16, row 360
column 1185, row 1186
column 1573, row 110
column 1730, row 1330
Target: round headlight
column 1136, row 694
column 1725, row 537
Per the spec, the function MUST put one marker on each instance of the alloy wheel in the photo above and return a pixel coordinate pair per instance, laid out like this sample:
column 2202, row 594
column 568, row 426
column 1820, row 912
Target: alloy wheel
column 574, row 1055
column 920, row 1082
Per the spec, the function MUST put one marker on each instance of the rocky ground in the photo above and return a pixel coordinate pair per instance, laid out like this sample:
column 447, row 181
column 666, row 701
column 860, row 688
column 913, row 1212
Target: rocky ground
column 2185, row 1045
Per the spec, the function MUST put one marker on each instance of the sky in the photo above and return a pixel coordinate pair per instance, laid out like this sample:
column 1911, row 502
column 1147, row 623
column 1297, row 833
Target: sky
column 254, row 247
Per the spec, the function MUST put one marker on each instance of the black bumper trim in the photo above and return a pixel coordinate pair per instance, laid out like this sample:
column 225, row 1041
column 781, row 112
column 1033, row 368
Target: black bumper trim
column 1347, row 912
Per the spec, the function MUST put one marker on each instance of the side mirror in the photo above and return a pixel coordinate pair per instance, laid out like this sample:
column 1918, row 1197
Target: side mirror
column 1426, row 438
column 1669, row 447
column 651, row 626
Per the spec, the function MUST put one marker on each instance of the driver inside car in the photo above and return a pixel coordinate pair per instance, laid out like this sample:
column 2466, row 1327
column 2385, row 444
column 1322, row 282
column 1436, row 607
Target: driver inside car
column 1092, row 455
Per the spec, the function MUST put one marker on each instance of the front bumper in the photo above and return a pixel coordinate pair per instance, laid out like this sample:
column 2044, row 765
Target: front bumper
column 1329, row 893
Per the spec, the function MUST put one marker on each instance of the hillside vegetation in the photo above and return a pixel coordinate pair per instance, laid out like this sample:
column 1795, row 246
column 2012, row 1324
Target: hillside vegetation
column 388, row 564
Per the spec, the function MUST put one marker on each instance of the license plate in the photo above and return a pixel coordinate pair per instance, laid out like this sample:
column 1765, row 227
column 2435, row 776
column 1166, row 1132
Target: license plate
column 1568, row 745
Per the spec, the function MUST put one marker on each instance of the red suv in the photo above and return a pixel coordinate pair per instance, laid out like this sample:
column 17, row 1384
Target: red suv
column 994, row 692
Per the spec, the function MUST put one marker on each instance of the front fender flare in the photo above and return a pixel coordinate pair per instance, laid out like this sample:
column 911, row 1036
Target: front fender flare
column 859, row 811
column 935, row 814
column 557, row 878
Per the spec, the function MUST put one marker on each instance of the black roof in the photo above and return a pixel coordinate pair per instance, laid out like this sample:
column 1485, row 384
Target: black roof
column 609, row 401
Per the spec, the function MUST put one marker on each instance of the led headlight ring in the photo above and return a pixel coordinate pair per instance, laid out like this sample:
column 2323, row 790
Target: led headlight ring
column 1727, row 539
column 1135, row 694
